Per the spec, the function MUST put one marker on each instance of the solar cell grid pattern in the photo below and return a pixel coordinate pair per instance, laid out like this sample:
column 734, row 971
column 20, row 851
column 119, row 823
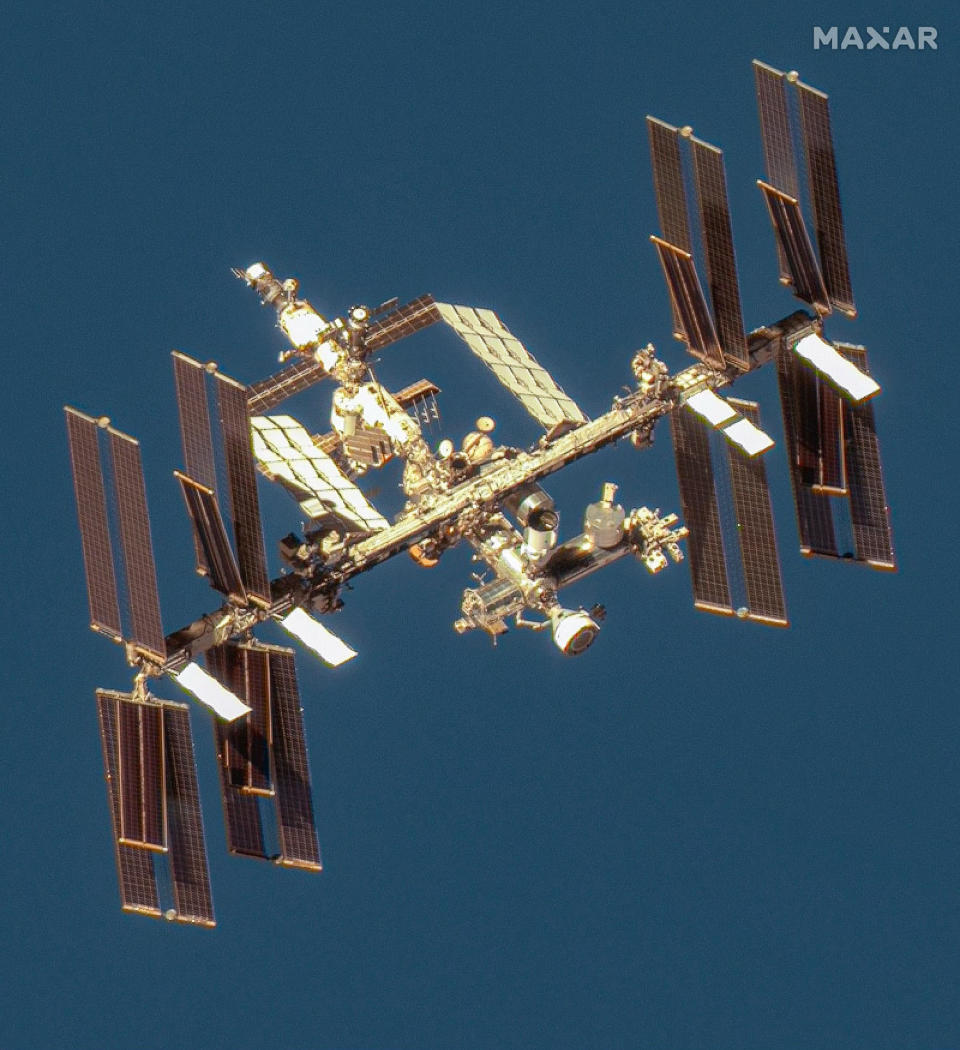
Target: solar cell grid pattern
column 668, row 183
column 287, row 451
column 141, row 576
column 415, row 315
column 512, row 364
column 778, row 151
column 803, row 270
column 689, row 304
column 257, row 743
column 721, row 262
column 194, row 413
column 195, row 434
column 138, row 883
column 295, row 817
column 799, row 400
column 140, row 776
column 691, row 447
column 825, row 197
column 212, row 539
column 831, row 468
column 755, row 529
column 242, row 481
column 192, row 898
column 241, row 810
column 869, row 514
column 94, row 528
column 293, row 379
column 670, row 192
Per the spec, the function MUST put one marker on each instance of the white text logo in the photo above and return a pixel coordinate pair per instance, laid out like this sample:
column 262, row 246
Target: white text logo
column 871, row 38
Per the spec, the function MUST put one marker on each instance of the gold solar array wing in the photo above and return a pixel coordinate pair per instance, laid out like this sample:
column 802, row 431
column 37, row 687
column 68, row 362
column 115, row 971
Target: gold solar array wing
column 513, row 365
column 287, row 453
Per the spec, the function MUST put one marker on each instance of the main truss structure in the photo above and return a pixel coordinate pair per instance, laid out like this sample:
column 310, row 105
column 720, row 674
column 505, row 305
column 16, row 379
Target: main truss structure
column 483, row 494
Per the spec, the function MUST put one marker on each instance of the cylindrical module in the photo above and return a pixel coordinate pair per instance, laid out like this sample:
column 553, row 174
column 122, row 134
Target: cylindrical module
column 603, row 523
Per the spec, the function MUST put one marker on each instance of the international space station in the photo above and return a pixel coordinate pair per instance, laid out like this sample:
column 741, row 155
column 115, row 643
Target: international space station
column 483, row 494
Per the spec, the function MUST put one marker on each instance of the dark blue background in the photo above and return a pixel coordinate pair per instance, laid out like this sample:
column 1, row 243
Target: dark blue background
column 702, row 833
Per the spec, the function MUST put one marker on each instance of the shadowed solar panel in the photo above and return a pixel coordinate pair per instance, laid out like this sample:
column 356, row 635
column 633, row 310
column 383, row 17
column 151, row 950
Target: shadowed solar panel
column 135, row 871
column 718, row 248
column 708, row 572
column 94, row 528
column 146, row 629
column 241, row 809
column 869, row 513
column 803, row 270
column 825, row 197
column 755, row 530
column 140, row 776
column 831, row 467
column 265, row 755
column 242, row 482
column 221, row 565
column 195, row 434
column 799, row 400
column 689, row 304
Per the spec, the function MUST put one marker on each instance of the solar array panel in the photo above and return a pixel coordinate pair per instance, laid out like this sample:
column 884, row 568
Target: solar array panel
column 194, row 411
column 146, row 629
column 140, row 776
column 755, row 530
column 233, row 432
column 711, row 187
column 778, row 148
column 91, row 500
column 404, row 321
column 825, row 197
column 195, row 434
column 287, row 453
column 869, row 513
column 264, row 756
column 733, row 536
column 803, row 433
column 127, row 557
column 691, row 448
column 796, row 252
column 668, row 183
column 513, row 365
column 154, row 805
column 192, row 900
column 718, row 336
column 804, row 128
column 236, row 754
column 690, row 308
column 295, row 819
column 293, row 379
column 242, row 483
column 217, row 554
column 831, row 472
column 834, row 455
column 135, row 871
